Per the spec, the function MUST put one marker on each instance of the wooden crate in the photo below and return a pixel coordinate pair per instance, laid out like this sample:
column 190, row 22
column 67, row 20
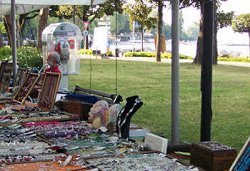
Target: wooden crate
column 212, row 156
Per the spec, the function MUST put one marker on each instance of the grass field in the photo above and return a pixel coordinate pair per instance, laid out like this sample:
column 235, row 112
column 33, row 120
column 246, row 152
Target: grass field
column 152, row 82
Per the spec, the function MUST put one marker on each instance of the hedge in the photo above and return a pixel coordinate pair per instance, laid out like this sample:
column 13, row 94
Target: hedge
column 26, row 56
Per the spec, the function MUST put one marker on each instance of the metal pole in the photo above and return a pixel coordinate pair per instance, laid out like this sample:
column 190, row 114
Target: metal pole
column 206, row 70
column 74, row 14
column 175, row 71
column 13, row 44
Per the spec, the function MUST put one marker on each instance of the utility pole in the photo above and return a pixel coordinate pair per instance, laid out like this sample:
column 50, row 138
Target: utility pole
column 175, row 33
column 13, row 43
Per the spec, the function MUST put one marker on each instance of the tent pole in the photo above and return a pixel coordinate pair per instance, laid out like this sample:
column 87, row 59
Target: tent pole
column 175, row 72
column 13, row 43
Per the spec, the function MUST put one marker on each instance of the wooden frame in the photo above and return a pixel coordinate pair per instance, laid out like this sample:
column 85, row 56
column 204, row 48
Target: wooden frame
column 2, row 68
column 20, row 76
column 47, row 96
column 6, row 76
column 26, row 87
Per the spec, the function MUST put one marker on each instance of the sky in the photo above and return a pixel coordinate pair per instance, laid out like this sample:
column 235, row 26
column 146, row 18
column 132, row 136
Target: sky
column 226, row 35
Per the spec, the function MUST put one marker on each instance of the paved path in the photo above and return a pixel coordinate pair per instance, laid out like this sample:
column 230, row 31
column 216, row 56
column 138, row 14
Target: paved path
column 242, row 64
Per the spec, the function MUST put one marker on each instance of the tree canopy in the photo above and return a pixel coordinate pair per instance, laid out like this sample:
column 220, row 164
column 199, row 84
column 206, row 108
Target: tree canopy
column 241, row 23
column 87, row 13
column 122, row 26
column 139, row 11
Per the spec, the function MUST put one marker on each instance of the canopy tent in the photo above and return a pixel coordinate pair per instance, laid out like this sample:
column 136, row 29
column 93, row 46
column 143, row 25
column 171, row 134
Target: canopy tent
column 5, row 9
column 25, row 6
column 208, row 46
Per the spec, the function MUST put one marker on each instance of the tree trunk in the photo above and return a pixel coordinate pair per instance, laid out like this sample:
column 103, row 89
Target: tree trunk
column 42, row 25
column 1, row 40
column 199, row 46
column 142, row 37
column 159, row 32
column 20, row 28
column 8, row 26
column 215, row 44
column 249, row 43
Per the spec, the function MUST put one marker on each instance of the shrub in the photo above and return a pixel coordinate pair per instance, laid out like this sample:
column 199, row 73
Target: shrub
column 29, row 57
column 139, row 54
column 86, row 51
column 5, row 53
column 26, row 56
column 232, row 59
column 152, row 54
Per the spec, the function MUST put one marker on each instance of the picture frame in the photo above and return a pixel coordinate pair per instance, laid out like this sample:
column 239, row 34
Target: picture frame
column 2, row 68
column 47, row 96
column 20, row 76
column 24, row 90
column 6, row 76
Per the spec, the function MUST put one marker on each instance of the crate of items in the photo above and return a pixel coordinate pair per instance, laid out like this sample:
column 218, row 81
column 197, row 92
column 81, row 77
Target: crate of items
column 212, row 156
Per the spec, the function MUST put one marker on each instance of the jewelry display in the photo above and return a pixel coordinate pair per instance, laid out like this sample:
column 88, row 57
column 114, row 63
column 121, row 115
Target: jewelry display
column 47, row 95
column 27, row 86
column 102, row 115
column 98, row 114
column 20, row 76
column 9, row 117
column 52, row 163
column 124, row 117
column 2, row 68
column 140, row 162
column 5, row 76
column 68, row 129
column 96, row 145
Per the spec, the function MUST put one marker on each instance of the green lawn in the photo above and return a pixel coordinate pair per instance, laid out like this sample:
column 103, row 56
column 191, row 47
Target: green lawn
column 152, row 82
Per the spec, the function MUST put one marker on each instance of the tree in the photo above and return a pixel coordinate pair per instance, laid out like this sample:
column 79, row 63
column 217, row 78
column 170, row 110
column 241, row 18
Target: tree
column 241, row 24
column 159, row 37
column 43, row 20
column 192, row 32
column 2, row 31
column 88, row 13
column 122, row 26
column 21, row 22
column 222, row 20
column 139, row 11
column 199, row 50
column 166, row 31
column 183, row 35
